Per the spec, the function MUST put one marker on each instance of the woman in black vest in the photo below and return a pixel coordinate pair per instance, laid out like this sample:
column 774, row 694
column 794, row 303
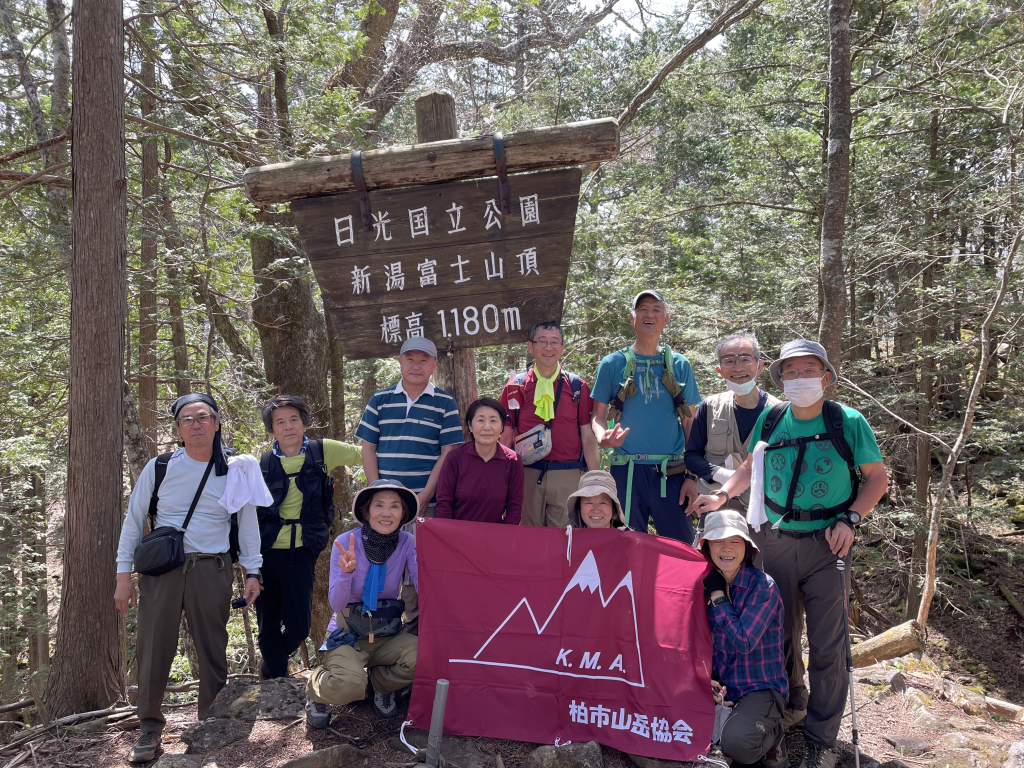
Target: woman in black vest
column 294, row 529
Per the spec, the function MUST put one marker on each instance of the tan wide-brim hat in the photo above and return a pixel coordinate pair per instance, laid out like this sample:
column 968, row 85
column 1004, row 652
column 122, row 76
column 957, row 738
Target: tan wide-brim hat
column 411, row 503
column 723, row 524
column 595, row 483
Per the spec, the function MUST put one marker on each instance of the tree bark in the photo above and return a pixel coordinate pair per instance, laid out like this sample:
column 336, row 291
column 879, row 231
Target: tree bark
column 833, row 220
column 456, row 372
column 148, row 247
column 291, row 328
column 88, row 626
column 39, row 638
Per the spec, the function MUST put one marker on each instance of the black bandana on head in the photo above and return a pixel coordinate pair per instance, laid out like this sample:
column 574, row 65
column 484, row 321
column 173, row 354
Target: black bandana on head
column 379, row 546
column 220, row 459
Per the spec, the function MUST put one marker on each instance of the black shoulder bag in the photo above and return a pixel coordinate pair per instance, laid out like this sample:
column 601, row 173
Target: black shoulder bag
column 163, row 549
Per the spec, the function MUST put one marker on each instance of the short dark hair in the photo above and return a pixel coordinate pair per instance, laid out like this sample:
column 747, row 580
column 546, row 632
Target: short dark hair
column 364, row 509
column 486, row 402
column 546, row 325
column 283, row 401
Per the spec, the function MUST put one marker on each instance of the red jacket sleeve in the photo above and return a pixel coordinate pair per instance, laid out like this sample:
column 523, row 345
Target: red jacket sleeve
column 514, row 493
column 446, row 481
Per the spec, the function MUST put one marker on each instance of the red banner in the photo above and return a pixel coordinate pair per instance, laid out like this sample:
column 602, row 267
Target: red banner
column 601, row 637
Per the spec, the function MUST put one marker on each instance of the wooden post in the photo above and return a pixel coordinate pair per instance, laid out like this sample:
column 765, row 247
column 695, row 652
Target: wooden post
column 456, row 374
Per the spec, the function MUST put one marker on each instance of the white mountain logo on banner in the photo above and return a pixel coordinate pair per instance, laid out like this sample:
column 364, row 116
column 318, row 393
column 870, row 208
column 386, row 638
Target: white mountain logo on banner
column 564, row 644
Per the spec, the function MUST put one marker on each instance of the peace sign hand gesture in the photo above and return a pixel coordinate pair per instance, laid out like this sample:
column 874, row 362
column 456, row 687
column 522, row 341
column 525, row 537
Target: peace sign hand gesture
column 347, row 558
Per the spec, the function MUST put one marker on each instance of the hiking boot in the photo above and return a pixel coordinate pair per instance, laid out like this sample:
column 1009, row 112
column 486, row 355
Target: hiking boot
column 405, row 693
column 385, row 704
column 792, row 717
column 317, row 715
column 777, row 756
column 817, row 755
column 145, row 748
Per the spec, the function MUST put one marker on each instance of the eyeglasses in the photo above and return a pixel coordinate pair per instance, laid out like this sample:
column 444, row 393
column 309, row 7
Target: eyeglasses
column 805, row 373
column 188, row 421
column 547, row 344
column 729, row 362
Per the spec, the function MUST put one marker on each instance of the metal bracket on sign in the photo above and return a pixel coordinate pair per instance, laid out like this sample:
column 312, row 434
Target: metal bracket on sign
column 360, row 182
column 504, row 198
column 450, row 349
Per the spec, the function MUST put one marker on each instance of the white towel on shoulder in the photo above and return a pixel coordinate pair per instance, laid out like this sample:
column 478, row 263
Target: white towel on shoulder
column 756, row 516
column 245, row 484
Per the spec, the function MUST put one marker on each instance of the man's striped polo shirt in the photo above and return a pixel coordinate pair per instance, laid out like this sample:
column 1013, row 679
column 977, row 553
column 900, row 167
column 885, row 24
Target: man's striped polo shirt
column 409, row 437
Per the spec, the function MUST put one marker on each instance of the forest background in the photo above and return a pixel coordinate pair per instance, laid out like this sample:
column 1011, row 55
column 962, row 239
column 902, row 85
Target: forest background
column 719, row 198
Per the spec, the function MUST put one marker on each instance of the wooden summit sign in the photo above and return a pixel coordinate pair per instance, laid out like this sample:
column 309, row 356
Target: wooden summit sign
column 440, row 260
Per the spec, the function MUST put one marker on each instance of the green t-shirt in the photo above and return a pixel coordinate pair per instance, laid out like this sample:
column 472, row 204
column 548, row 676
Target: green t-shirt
column 824, row 478
column 336, row 454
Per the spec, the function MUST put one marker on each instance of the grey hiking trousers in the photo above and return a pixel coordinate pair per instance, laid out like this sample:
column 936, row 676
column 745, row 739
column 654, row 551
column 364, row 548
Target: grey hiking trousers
column 202, row 588
column 805, row 571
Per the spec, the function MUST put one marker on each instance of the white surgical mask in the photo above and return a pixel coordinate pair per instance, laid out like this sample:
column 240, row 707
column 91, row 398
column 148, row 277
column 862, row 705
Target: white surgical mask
column 803, row 392
column 741, row 389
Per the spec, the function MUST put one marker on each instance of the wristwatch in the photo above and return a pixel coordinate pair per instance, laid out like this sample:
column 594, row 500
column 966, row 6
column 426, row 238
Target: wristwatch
column 719, row 600
column 728, row 498
column 257, row 576
column 852, row 518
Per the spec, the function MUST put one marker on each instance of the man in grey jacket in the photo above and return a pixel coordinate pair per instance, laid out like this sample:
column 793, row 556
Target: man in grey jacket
column 202, row 586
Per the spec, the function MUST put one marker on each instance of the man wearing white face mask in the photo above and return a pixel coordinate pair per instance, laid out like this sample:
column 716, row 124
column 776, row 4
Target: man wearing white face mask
column 813, row 502
column 718, row 439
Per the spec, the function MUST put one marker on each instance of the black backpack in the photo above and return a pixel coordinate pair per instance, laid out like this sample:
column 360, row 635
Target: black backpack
column 160, row 471
column 832, row 414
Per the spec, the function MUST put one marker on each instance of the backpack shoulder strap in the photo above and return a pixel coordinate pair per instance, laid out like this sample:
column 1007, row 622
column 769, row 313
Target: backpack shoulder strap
column 833, row 414
column 159, row 472
column 316, row 452
column 630, row 369
column 772, row 420
column 576, row 385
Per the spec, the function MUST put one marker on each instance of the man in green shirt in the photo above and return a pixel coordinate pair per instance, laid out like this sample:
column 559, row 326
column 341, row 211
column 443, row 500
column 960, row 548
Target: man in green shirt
column 804, row 459
column 294, row 529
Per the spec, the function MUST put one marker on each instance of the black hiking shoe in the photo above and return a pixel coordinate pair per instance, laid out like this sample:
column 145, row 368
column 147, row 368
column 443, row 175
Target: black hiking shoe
column 385, row 704
column 318, row 715
column 817, row 755
column 145, row 748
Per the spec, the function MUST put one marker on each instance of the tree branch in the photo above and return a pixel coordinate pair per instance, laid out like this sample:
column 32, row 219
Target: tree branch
column 34, row 148
column 39, row 177
column 730, row 16
column 965, row 431
column 235, row 153
column 374, row 30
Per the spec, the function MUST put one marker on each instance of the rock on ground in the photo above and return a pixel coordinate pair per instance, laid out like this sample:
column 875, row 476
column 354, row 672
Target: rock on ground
column 1015, row 756
column 338, row 756
column 281, row 699
column 908, row 746
column 456, row 752
column 581, row 755
column 179, row 761
column 652, row 762
column 213, row 733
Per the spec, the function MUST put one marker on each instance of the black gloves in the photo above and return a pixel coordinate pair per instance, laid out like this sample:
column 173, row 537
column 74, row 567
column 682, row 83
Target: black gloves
column 714, row 582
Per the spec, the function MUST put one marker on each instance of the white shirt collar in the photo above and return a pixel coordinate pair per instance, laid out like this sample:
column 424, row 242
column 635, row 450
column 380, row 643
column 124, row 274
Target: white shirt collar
column 428, row 390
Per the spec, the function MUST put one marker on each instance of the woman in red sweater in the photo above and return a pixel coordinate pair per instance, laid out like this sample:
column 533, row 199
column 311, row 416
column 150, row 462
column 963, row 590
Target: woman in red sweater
column 482, row 480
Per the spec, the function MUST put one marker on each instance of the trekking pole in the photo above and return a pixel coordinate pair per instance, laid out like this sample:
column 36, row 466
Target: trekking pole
column 841, row 566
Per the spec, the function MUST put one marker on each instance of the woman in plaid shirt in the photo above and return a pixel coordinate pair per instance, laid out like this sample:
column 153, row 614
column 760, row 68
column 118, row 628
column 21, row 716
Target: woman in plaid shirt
column 748, row 666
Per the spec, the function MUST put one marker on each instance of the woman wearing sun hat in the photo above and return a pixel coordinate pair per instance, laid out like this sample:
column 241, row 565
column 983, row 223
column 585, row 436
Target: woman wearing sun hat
column 595, row 504
column 365, row 636
column 748, row 664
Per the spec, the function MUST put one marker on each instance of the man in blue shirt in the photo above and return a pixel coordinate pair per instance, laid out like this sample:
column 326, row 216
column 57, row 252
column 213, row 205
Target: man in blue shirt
column 406, row 431
column 634, row 388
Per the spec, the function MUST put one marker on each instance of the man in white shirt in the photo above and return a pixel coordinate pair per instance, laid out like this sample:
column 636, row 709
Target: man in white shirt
column 202, row 586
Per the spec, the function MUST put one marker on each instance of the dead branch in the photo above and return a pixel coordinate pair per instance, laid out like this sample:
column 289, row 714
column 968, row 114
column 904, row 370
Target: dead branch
column 1010, row 598
column 965, row 431
column 15, row 705
column 40, row 177
column 730, row 16
column 25, row 151
column 234, row 152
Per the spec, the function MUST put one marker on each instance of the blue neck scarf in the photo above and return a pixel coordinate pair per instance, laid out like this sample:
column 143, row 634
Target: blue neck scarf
column 378, row 547
column 373, row 585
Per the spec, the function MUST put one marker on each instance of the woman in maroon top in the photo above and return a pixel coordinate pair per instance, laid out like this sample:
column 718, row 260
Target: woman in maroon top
column 482, row 480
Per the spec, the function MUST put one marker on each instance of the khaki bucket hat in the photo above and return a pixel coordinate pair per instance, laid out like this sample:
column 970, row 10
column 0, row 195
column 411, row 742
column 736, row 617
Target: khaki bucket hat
column 595, row 483
column 407, row 496
column 724, row 523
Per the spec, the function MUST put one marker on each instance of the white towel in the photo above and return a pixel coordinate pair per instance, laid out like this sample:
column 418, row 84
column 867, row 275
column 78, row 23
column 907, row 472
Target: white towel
column 755, row 507
column 245, row 484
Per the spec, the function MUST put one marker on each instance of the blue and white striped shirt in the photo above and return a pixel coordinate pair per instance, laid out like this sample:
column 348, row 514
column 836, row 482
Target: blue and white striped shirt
column 409, row 435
